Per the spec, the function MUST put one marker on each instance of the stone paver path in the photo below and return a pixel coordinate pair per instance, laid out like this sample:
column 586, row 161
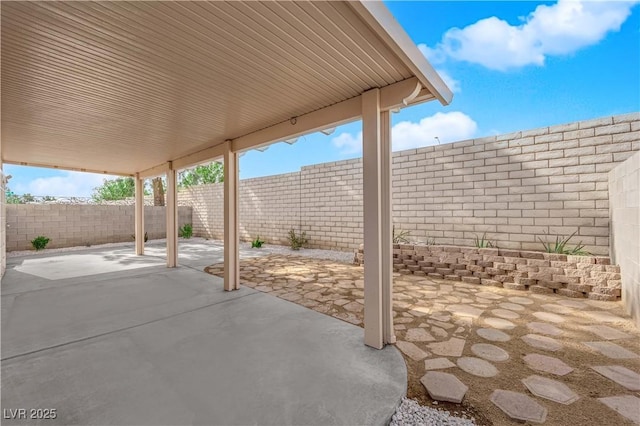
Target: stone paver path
column 486, row 338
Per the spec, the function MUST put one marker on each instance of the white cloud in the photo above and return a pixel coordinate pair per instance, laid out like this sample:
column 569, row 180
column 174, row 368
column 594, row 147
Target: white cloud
column 68, row 184
column 348, row 143
column 559, row 29
column 447, row 127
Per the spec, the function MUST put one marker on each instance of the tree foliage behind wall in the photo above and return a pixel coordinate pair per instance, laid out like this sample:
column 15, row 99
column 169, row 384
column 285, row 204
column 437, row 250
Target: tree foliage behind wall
column 200, row 175
column 114, row 189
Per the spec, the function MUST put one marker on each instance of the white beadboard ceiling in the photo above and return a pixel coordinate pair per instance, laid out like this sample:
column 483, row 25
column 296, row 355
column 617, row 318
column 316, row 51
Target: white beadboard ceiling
column 124, row 86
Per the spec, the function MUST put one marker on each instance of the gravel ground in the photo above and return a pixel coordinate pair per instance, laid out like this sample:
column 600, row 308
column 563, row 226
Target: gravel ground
column 336, row 256
column 410, row 413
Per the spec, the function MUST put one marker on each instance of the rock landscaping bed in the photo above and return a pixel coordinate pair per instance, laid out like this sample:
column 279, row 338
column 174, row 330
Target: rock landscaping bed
column 496, row 355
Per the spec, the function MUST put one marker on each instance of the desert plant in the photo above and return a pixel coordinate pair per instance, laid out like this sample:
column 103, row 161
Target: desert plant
column 146, row 237
column 40, row 242
column 257, row 243
column 560, row 246
column 297, row 241
column 483, row 242
column 400, row 236
column 430, row 241
column 186, row 231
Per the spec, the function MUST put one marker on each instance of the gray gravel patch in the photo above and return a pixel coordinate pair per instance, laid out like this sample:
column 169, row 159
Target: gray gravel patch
column 336, row 256
column 410, row 413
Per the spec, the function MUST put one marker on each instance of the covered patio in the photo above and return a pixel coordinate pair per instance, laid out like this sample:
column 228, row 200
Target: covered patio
column 145, row 89
column 106, row 337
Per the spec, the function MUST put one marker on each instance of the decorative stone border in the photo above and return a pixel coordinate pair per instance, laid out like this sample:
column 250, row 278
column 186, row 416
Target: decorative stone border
column 574, row 276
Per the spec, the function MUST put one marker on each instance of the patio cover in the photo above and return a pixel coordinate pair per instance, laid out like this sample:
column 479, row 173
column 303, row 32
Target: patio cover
column 148, row 88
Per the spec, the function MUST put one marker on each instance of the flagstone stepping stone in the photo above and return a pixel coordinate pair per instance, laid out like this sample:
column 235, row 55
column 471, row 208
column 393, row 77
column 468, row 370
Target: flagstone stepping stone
column 493, row 335
column 621, row 375
column 544, row 328
column 499, row 323
column 612, row 350
column 607, row 333
column 572, row 304
column 625, row 405
column 411, row 350
column 542, row 342
column 477, row 367
column 444, row 386
column 603, row 316
column 548, row 316
column 418, row 335
column 452, row 347
column 521, row 300
column 419, row 311
column 505, row 313
column 511, row 306
column 339, row 302
column 440, row 317
column 490, row 352
column 437, row 364
column 482, row 302
column 445, row 325
column 348, row 317
column 439, row 332
column 487, row 295
column 550, row 389
column 399, row 327
column 519, row 406
column 557, row 309
column 547, row 364
column 465, row 311
column 402, row 320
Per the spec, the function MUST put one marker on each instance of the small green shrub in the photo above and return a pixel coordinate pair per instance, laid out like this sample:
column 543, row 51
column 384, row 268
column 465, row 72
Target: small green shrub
column 186, row 231
column 560, row 246
column 40, row 242
column 297, row 241
column 400, row 236
column 146, row 237
column 257, row 243
column 483, row 242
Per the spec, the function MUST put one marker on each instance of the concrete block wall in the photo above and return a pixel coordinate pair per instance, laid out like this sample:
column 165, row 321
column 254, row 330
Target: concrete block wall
column 3, row 224
column 624, row 192
column 77, row 225
column 269, row 207
column 516, row 187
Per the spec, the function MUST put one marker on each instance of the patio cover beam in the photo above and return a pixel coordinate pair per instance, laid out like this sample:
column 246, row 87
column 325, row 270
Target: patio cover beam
column 376, row 154
column 391, row 97
column 231, row 222
column 171, row 209
column 139, row 215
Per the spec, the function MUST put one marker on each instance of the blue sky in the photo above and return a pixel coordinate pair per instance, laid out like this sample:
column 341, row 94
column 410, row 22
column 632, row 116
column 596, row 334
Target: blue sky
column 511, row 65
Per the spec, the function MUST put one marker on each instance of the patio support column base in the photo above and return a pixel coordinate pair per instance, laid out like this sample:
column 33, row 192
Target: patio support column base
column 172, row 218
column 231, row 222
column 376, row 157
column 139, row 215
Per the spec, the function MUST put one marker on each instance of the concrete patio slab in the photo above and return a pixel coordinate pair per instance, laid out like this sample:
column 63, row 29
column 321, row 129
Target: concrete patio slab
column 153, row 346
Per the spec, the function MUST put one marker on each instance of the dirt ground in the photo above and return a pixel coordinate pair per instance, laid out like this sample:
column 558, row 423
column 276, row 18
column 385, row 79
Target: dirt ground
column 435, row 311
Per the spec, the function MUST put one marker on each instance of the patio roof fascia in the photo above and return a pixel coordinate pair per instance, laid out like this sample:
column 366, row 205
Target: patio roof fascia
column 383, row 23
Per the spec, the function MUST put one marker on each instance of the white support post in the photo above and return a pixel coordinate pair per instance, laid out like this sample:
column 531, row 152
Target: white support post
column 386, row 240
column 172, row 218
column 231, row 222
column 139, row 215
column 372, row 188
